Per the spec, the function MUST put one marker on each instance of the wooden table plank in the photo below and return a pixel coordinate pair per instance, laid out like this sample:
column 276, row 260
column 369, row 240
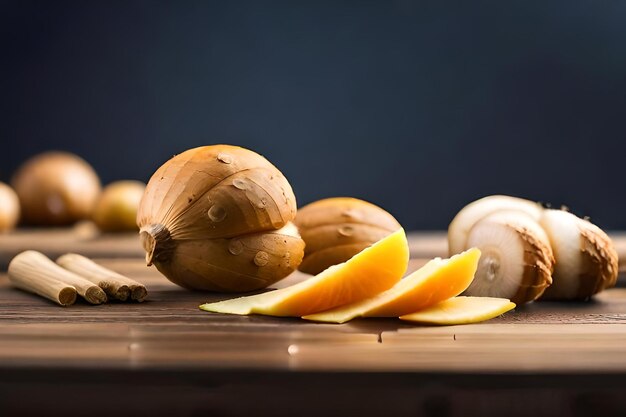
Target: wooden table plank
column 167, row 357
column 170, row 331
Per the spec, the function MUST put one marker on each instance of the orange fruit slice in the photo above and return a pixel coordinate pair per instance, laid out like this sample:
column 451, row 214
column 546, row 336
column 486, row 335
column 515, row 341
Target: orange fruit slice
column 369, row 272
column 436, row 281
column 461, row 310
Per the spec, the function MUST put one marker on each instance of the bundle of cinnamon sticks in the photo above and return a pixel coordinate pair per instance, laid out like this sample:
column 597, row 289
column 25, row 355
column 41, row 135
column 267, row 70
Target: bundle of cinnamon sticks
column 70, row 276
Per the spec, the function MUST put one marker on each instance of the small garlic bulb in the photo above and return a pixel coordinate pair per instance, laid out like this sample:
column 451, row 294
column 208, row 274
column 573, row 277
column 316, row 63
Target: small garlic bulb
column 218, row 218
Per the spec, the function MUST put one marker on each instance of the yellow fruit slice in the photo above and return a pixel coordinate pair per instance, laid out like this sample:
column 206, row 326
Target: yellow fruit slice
column 461, row 310
column 367, row 273
column 436, row 281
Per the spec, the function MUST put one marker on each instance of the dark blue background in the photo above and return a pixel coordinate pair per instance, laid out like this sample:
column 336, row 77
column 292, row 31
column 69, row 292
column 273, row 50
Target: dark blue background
column 417, row 106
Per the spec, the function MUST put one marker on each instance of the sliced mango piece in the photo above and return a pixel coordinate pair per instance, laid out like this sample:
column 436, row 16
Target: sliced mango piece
column 367, row 273
column 436, row 281
column 461, row 310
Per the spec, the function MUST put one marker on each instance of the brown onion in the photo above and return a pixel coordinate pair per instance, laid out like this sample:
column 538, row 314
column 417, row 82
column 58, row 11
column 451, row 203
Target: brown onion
column 116, row 209
column 56, row 188
column 218, row 218
column 336, row 229
column 586, row 260
column 9, row 208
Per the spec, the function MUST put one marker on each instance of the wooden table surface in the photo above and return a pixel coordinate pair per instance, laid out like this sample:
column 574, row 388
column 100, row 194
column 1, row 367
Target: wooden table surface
column 166, row 357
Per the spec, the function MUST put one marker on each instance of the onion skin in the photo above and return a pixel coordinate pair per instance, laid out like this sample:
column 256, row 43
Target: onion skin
column 586, row 262
column 9, row 208
column 469, row 215
column 535, row 259
column 56, row 188
column 217, row 218
column 116, row 209
column 601, row 262
column 336, row 229
column 538, row 264
column 240, row 264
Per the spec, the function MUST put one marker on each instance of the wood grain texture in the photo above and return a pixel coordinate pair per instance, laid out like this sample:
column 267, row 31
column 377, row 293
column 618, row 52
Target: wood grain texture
column 165, row 355
column 168, row 330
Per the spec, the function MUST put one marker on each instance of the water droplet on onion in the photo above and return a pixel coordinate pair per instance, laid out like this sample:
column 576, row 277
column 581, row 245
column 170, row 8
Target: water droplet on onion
column 346, row 231
column 261, row 258
column 217, row 213
column 262, row 203
column 235, row 247
column 240, row 184
column 352, row 214
column 224, row 157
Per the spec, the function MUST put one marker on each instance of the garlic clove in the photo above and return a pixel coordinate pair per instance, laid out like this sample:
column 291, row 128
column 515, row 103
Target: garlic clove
column 468, row 216
column 516, row 261
column 586, row 261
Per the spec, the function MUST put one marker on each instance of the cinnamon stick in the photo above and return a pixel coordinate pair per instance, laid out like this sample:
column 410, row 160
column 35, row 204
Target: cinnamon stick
column 114, row 284
column 34, row 272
